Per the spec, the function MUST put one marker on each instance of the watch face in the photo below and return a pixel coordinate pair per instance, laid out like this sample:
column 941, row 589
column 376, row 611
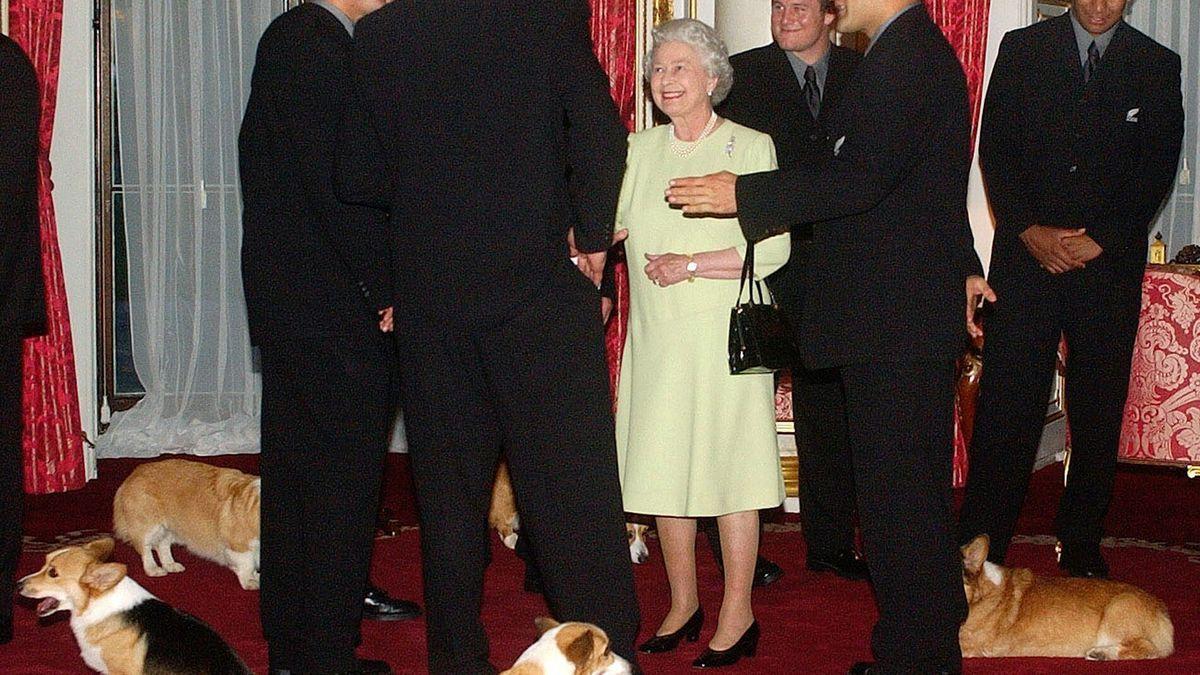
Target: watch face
column 692, row 266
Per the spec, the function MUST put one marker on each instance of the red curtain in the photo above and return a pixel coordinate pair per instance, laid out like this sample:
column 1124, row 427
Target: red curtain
column 53, row 440
column 614, row 26
column 965, row 23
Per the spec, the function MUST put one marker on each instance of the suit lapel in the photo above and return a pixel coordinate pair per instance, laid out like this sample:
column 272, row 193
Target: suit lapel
column 786, row 81
column 1114, row 57
column 841, row 66
column 1068, row 55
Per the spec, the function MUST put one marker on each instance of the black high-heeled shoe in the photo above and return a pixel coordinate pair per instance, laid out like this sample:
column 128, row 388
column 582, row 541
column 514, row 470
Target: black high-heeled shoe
column 665, row 643
column 746, row 645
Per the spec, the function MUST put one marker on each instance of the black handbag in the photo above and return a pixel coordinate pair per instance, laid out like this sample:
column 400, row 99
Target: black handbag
column 760, row 339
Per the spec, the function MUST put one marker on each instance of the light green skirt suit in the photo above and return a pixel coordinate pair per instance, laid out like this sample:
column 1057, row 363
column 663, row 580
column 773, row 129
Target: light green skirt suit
column 692, row 440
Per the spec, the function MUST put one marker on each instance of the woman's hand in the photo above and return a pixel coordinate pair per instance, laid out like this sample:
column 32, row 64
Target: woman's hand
column 666, row 269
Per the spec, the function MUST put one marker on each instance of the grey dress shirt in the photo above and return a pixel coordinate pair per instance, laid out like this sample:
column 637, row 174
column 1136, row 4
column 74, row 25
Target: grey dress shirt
column 887, row 24
column 1084, row 39
column 337, row 13
column 799, row 66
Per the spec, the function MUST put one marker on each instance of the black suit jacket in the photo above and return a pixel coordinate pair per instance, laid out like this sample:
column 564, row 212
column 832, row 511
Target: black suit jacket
column 488, row 134
column 892, row 241
column 309, row 262
column 767, row 97
column 1057, row 152
column 22, row 294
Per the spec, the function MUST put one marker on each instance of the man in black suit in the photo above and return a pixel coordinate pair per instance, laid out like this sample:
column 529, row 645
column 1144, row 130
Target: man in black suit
column 883, row 298
column 318, row 279
column 1079, row 146
column 493, row 136
column 789, row 89
column 22, row 294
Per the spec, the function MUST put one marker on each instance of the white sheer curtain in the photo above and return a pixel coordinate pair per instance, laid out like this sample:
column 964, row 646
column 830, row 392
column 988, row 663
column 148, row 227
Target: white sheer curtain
column 183, row 76
column 1176, row 24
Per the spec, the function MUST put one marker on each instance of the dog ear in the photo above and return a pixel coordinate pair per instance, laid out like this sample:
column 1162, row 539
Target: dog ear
column 975, row 554
column 100, row 548
column 544, row 624
column 104, row 576
column 579, row 652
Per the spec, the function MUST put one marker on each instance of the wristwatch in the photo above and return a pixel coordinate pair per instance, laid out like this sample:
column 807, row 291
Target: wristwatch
column 692, row 266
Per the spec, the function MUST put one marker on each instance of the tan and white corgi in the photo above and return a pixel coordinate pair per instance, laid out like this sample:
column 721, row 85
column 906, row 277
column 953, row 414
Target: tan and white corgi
column 569, row 649
column 1014, row 612
column 503, row 517
column 211, row 510
column 120, row 626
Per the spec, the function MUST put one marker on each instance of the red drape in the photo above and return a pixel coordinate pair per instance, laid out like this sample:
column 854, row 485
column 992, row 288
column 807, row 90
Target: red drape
column 53, row 440
column 965, row 23
column 614, row 26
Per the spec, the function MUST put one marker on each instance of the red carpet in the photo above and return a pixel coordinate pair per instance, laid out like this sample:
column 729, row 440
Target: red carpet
column 812, row 624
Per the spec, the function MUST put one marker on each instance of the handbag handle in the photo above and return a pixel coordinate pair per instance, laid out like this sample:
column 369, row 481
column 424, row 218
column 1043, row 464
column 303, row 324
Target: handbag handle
column 748, row 277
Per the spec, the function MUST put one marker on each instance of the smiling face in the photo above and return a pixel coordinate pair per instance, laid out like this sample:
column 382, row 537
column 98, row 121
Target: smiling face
column 799, row 25
column 678, row 81
column 1097, row 16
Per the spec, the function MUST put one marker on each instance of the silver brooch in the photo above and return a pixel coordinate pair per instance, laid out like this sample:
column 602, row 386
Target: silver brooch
column 729, row 146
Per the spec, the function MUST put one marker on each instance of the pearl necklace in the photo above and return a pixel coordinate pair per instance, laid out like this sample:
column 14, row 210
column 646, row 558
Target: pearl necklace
column 685, row 148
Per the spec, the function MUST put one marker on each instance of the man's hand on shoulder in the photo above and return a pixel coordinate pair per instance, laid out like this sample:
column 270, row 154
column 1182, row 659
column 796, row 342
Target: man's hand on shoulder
column 714, row 194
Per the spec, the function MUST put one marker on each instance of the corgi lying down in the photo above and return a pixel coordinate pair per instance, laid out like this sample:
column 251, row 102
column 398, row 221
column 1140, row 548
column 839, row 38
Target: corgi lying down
column 120, row 626
column 210, row 510
column 569, row 649
column 503, row 517
column 1016, row 613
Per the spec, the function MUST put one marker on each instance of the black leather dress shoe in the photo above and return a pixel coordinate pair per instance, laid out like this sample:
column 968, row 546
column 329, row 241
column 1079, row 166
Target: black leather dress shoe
column 869, row 668
column 766, row 572
column 746, row 645
column 665, row 643
column 379, row 606
column 1083, row 561
column 845, row 564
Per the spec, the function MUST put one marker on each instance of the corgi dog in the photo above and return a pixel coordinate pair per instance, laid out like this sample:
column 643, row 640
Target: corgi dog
column 210, row 510
column 503, row 517
column 569, row 649
column 1014, row 612
column 120, row 626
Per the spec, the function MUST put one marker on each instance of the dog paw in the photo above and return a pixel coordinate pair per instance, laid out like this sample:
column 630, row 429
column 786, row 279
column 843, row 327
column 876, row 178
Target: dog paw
column 173, row 567
column 511, row 540
column 249, row 584
column 155, row 572
column 1100, row 654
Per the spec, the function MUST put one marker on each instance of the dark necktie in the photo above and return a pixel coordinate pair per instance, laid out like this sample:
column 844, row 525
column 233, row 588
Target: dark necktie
column 1093, row 62
column 812, row 92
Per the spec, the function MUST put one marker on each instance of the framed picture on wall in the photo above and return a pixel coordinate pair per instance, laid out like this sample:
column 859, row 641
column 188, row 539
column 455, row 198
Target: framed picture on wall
column 1050, row 9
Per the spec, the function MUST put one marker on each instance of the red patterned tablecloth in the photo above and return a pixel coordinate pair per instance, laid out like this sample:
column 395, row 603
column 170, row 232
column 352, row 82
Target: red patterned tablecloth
column 1162, row 414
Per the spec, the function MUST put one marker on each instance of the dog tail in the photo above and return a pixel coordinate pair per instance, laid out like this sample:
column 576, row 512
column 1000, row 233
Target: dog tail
column 1163, row 634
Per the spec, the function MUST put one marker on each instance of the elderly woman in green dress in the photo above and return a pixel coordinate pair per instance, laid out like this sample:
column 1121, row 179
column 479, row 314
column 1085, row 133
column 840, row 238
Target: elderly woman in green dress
column 693, row 440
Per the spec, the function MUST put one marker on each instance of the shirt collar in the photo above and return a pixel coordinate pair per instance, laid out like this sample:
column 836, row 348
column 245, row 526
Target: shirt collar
column 799, row 65
column 888, row 24
column 1084, row 39
column 337, row 14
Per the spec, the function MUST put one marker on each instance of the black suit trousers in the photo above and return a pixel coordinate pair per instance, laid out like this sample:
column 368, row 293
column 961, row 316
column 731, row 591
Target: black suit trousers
column 901, row 436
column 12, row 473
column 327, row 409
column 1096, row 309
column 826, row 468
column 535, row 384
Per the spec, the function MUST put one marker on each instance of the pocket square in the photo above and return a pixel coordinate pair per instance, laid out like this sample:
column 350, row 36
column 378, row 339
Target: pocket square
column 1132, row 115
column 837, row 145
